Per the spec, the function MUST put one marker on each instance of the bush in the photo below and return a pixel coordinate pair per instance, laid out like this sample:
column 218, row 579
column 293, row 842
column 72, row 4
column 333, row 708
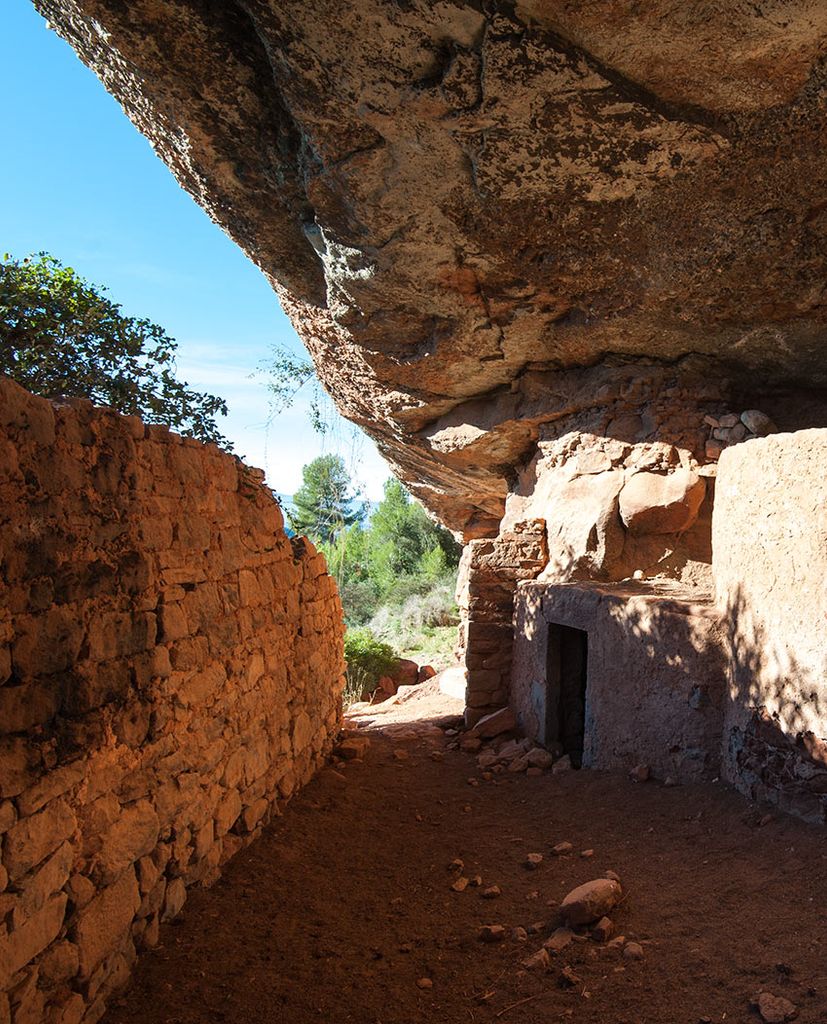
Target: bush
column 367, row 659
column 359, row 601
column 61, row 337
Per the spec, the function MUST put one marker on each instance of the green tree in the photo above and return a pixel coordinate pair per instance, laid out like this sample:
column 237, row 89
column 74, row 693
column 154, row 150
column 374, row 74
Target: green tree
column 325, row 504
column 60, row 337
column 404, row 539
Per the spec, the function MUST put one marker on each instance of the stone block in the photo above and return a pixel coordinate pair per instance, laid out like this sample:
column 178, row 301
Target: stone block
column 661, row 502
column 59, row 964
column 25, row 942
column 32, row 839
column 18, row 761
column 29, row 705
column 133, row 835
column 227, row 813
column 46, row 880
column 104, row 923
column 51, row 785
column 47, row 643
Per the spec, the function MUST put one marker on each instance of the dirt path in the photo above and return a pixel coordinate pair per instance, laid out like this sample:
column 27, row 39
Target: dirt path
column 345, row 903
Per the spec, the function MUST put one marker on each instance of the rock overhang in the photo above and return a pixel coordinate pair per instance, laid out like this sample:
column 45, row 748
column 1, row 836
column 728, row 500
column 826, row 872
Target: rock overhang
column 479, row 217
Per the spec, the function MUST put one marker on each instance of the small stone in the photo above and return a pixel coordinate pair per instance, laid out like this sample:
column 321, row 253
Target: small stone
column 424, row 983
column 590, row 902
column 491, row 933
column 633, row 951
column 774, row 1009
column 353, row 747
column 400, row 755
column 568, row 978
column 519, row 935
column 562, row 849
column 456, row 864
column 603, row 930
column 491, row 893
column 460, row 885
column 495, row 724
column 561, row 765
column 519, row 764
column 587, row 854
column 538, row 961
column 613, row 876
column 729, row 420
column 640, row 773
column 470, row 744
column 473, row 782
column 467, row 809
column 713, row 449
column 539, row 758
column 436, row 755
column 758, row 423
column 533, row 861
column 559, row 939
column 669, row 782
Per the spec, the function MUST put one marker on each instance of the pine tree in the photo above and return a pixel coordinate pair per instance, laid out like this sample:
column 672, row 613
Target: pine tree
column 324, row 504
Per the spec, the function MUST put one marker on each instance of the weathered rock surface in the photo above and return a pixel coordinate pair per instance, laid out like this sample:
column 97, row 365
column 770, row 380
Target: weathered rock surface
column 484, row 224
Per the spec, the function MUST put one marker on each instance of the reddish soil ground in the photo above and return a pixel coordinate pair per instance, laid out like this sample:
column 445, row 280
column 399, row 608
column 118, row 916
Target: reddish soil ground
column 345, row 902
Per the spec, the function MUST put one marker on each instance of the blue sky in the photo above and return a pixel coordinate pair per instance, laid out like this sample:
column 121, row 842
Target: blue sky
column 79, row 181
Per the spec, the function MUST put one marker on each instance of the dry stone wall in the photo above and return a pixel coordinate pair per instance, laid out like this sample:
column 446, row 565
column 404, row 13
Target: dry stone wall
column 170, row 673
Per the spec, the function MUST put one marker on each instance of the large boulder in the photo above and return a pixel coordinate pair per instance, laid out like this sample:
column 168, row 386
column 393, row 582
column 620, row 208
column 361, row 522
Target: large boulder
column 661, row 502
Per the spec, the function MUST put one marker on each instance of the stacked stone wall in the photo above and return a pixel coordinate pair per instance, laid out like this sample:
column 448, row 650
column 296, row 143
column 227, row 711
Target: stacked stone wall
column 488, row 576
column 170, row 673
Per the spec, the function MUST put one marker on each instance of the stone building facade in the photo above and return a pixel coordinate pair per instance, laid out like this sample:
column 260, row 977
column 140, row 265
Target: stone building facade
column 170, row 674
column 678, row 620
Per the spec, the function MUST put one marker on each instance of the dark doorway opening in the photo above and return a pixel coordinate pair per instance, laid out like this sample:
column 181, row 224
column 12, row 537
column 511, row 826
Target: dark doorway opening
column 566, row 670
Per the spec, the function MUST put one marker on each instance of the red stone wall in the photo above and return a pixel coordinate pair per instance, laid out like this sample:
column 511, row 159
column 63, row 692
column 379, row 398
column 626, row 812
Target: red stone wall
column 170, row 673
column 488, row 576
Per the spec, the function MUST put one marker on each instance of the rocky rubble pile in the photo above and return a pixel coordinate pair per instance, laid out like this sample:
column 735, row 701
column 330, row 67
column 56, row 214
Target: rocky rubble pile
column 499, row 748
column 733, row 428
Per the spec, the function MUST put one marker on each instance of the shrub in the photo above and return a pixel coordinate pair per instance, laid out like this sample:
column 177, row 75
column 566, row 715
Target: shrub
column 367, row 659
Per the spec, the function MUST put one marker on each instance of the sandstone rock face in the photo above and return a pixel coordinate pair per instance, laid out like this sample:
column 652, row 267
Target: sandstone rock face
column 174, row 665
column 484, row 221
column 661, row 502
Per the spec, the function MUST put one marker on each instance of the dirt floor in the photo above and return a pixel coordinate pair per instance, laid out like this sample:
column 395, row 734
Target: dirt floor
column 344, row 905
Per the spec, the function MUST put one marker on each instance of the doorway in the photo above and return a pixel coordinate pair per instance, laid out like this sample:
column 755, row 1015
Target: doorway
column 566, row 673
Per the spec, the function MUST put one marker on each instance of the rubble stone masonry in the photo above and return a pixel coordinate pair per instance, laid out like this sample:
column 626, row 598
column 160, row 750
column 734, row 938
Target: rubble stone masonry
column 170, row 673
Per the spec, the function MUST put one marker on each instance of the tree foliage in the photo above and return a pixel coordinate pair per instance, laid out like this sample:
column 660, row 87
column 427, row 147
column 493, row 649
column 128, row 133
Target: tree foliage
column 401, row 553
column 325, row 505
column 60, row 337
column 286, row 374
